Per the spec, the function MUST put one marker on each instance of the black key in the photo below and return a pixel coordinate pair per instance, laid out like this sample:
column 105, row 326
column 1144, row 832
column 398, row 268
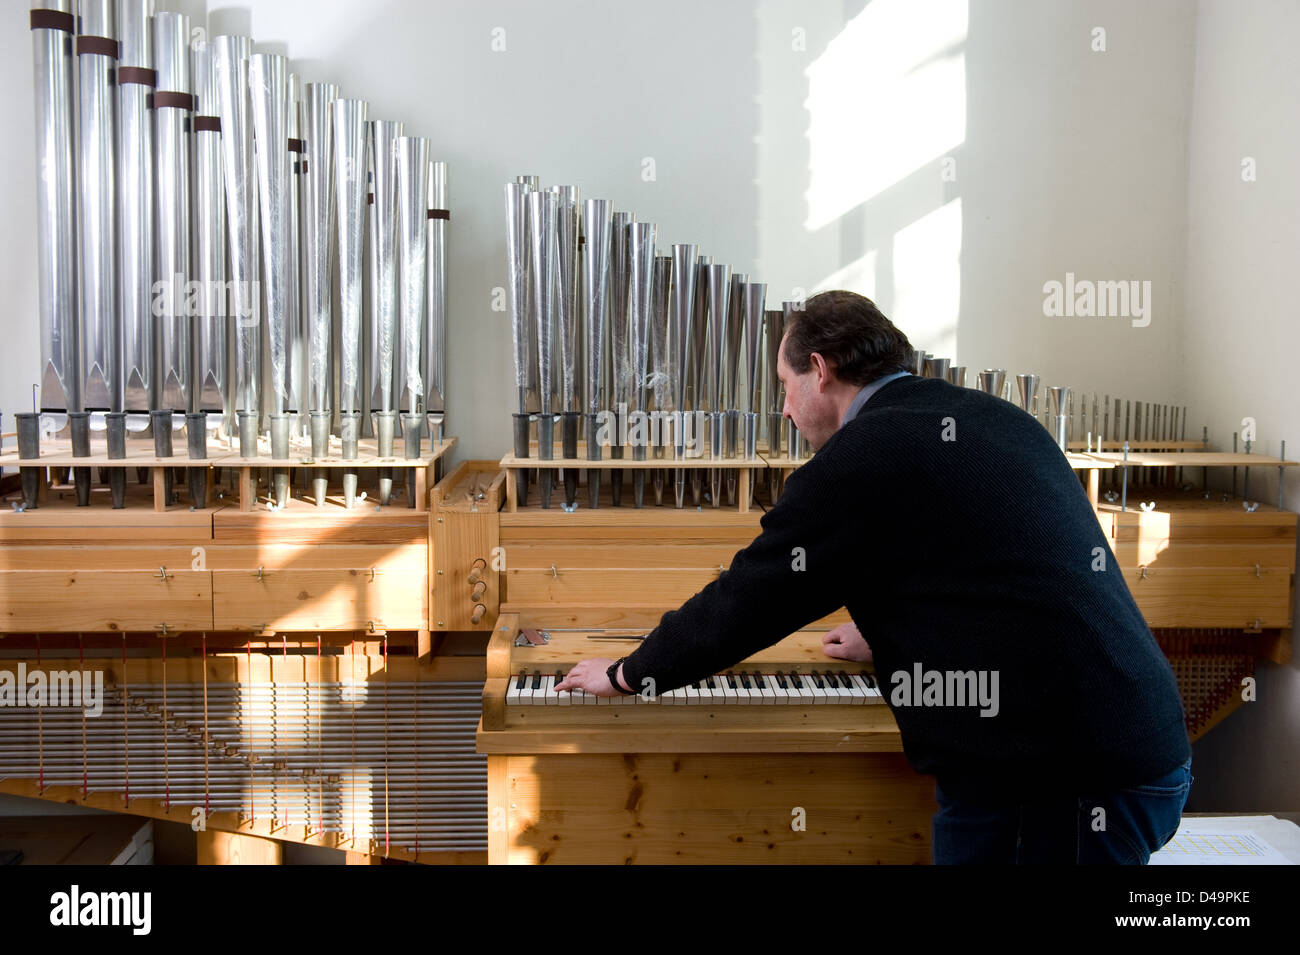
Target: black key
column 871, row 680
column 559, row 677
column 845, row 681
column 744, row 679
column 523, row 675
column 817, row 680
column 537, row 680
column 731, row 680
column 780, row 680
column 796, row 681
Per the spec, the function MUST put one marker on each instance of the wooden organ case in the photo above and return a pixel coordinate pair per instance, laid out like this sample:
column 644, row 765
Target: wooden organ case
column 271, row 675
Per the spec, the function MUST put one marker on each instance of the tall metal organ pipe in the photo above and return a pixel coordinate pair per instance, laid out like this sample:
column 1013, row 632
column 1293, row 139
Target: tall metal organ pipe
column 53, row 26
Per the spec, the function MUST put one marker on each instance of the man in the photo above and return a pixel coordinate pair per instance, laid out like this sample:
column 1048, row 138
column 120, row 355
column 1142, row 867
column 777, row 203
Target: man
column 958, row 537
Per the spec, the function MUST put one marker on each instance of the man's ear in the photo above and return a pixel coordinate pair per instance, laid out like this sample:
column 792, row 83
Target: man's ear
column 823, row 371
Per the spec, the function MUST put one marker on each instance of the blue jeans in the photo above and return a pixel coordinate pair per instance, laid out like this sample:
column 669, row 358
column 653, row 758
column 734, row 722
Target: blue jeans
column 1121, row 827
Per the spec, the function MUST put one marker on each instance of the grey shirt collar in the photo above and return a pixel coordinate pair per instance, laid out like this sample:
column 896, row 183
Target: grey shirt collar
column 865, row 394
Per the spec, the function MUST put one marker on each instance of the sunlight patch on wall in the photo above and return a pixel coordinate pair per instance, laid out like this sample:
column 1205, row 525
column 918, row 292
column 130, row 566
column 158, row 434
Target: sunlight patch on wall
column 887, row 97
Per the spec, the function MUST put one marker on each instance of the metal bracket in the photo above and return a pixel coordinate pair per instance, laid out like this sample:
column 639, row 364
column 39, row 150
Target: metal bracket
column 555, row 574
column 162, row 574
column 529, row 637
column 1142, row 572
column 1258, row 572
column 260, row 577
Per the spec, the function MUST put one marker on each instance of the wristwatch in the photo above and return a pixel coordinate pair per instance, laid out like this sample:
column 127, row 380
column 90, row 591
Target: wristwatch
column 612, row 673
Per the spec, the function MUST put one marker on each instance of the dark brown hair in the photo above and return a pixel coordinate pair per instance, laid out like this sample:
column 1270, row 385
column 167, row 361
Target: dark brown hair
column 851, row 334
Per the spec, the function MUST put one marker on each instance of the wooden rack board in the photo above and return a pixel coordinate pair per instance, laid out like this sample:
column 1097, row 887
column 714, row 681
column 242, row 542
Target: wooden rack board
column 140, row 454
column 1191, row 459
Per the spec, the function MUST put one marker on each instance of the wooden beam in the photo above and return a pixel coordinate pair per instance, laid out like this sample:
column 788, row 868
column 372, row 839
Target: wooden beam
column 231, row 848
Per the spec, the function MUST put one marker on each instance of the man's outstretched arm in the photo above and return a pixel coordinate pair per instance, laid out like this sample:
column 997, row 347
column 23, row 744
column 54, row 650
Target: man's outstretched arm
column 791, row 574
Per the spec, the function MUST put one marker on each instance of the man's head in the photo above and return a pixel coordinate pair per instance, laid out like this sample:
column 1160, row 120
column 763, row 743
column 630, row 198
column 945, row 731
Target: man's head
column 837, row 344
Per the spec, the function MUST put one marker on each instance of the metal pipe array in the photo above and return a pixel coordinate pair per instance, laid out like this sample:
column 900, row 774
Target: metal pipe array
column 630, row 348
column 191, row 197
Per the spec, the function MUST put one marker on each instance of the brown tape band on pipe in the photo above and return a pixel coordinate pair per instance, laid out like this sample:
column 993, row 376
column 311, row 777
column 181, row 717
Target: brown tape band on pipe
column 370, row 198
column 207, row 124
column 439, row 214
column 169, row 100
column 303, row 170
column 98, row 45
column 136, row 74
column 297, row 146
column 53, row 20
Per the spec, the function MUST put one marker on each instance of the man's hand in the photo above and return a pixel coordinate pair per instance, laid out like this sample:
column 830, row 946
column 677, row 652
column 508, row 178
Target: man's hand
column 846, row 643
column 590, row 675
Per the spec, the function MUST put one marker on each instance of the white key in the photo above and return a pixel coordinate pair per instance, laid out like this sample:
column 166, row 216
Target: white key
column 801, row 692
column 526, row 694
column 722, row 691
column 861, row 692
column 548, row 691
column 705, row 688
column 819, row 694
column 513, row 691
column 741, row 691
column 564, row 697
column 859, row 688
column 779, row 693
column 692, row 692
column 834, row 692
column 765, row 693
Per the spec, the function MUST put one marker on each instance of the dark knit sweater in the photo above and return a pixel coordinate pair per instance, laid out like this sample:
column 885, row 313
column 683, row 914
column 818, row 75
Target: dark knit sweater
column 979, row 553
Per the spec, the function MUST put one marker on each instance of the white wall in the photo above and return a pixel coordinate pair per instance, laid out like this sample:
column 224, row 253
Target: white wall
column 1242, row 335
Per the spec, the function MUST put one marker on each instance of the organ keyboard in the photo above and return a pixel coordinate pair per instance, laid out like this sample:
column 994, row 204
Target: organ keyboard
column 747, row 687
column 721, row 770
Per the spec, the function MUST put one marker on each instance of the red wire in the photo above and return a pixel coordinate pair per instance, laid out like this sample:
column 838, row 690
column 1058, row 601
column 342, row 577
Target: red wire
column 167, row 776
column 40, row 734
column 126, row 729
column 207, row 787
column 252, row 795
column 81, row 648
column 385, row 742
column 320, row 801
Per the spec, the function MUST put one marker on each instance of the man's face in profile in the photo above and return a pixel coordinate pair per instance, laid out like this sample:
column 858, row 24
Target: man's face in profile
column 806, row 401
